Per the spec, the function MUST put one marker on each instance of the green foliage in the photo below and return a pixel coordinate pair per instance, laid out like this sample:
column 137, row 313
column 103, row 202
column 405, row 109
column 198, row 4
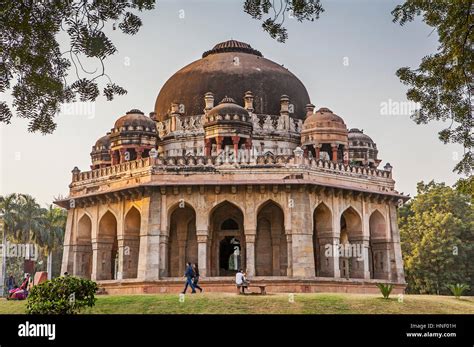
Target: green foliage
column 62, row 295
column 31, row 58
column 466, row 186
column 437, row 239
column 299, row 9
column 385, row 289
column 458, row 289
column 443, row 83
column 26, row 221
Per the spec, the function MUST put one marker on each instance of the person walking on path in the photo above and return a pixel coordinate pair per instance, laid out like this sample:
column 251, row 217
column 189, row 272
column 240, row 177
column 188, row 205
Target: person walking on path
column 189, row 274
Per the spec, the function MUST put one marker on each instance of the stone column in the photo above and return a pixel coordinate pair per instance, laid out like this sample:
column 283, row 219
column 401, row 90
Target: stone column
column 328, row 256
column 208, row 146
column 219, row 141
column 334, row 151
column 397, row 263
column 182, row 255
column 139, row 152
column 381, row 260
column 289, row 245
column 235, row 141
column 276, row 254
column 250, row 252
column 68, row 255
column 202, row 252
column 317, row 151
column 101, row 261
column 164, row 239
column 360, row 261
column 149, row 254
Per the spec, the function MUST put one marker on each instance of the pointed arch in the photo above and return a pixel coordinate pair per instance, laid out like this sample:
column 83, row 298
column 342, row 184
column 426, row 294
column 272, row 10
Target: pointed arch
column 322, row 228
column 227, row 245
column 271, row 252
column 379, row 255
column 83, row 248
column 107, row 257
column 377, row 225
column 182, row 244
column 131, row 243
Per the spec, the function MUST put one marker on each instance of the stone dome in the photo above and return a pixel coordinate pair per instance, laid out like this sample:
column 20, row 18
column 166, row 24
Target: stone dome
column 321, row 117
column 232, row 68
column 228, row 106
column 102, row 143
column 359, row 136
column 135, row 118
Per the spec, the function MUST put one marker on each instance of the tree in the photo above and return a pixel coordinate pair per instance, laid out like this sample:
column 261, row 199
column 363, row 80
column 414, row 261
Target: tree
column 437, row 239
column 51, row 233
column 299, row 9
column 9, row 212
column 443, row 83
column 30, row 55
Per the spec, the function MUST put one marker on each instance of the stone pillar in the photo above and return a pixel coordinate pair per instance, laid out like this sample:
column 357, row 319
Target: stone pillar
column 202, row 252
column 208, row 146
column 328, row 256
column 139, row 152
column 381, row 260
column 276, row 254
column 250, row 252
column 397, row 263
column 219, row 141
column 334, row 151
column 68, row 254
column 235, row 142
column 149, row 254
column 182, row 255
column 101, row 260
column 317, row 151
column 164, row 239
column 289, row 245
column 359, row 262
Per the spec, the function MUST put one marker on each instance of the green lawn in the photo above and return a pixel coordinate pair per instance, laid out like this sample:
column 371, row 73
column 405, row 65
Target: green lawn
column 221, row 303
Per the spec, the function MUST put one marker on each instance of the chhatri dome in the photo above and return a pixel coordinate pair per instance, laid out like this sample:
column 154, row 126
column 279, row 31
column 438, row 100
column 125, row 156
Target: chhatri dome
column 230, row 69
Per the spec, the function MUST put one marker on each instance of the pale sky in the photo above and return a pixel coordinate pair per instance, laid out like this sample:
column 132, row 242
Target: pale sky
column 347, row 60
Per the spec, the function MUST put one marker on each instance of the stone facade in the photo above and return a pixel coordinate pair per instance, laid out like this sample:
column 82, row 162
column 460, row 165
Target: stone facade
column 231, row 188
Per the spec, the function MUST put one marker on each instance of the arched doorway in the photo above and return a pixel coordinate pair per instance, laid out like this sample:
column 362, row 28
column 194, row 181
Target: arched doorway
column 227, row 240
column 182, row 245
column 351, row 263
column 107, row 248
column 271, row 252
column 83, row 248
column 379, row 261
column 131, row 243
column 322, row 232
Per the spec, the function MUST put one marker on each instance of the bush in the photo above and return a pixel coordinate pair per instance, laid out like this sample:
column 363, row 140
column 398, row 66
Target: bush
column 385, row 289
column 61, row 295
column 457, row 289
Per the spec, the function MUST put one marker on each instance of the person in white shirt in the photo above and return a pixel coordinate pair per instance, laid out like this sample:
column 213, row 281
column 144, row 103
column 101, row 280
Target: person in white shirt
column 240, row 281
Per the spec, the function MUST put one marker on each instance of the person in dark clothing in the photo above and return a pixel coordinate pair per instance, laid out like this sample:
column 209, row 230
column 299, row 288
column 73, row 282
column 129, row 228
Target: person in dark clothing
column 196, row 277
column 189, row 274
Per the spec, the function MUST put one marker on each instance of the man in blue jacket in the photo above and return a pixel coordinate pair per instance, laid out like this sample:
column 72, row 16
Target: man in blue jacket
column 189, row 274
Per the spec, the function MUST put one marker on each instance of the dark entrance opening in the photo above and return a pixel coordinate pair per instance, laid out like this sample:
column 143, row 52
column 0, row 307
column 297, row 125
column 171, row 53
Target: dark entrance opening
column 229, row 256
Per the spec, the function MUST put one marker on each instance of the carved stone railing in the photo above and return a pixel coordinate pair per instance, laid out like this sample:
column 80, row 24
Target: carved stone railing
column 190, row 163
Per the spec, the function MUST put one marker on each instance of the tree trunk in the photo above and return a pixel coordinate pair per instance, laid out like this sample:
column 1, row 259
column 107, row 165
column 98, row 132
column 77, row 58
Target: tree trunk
column 49, row 264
